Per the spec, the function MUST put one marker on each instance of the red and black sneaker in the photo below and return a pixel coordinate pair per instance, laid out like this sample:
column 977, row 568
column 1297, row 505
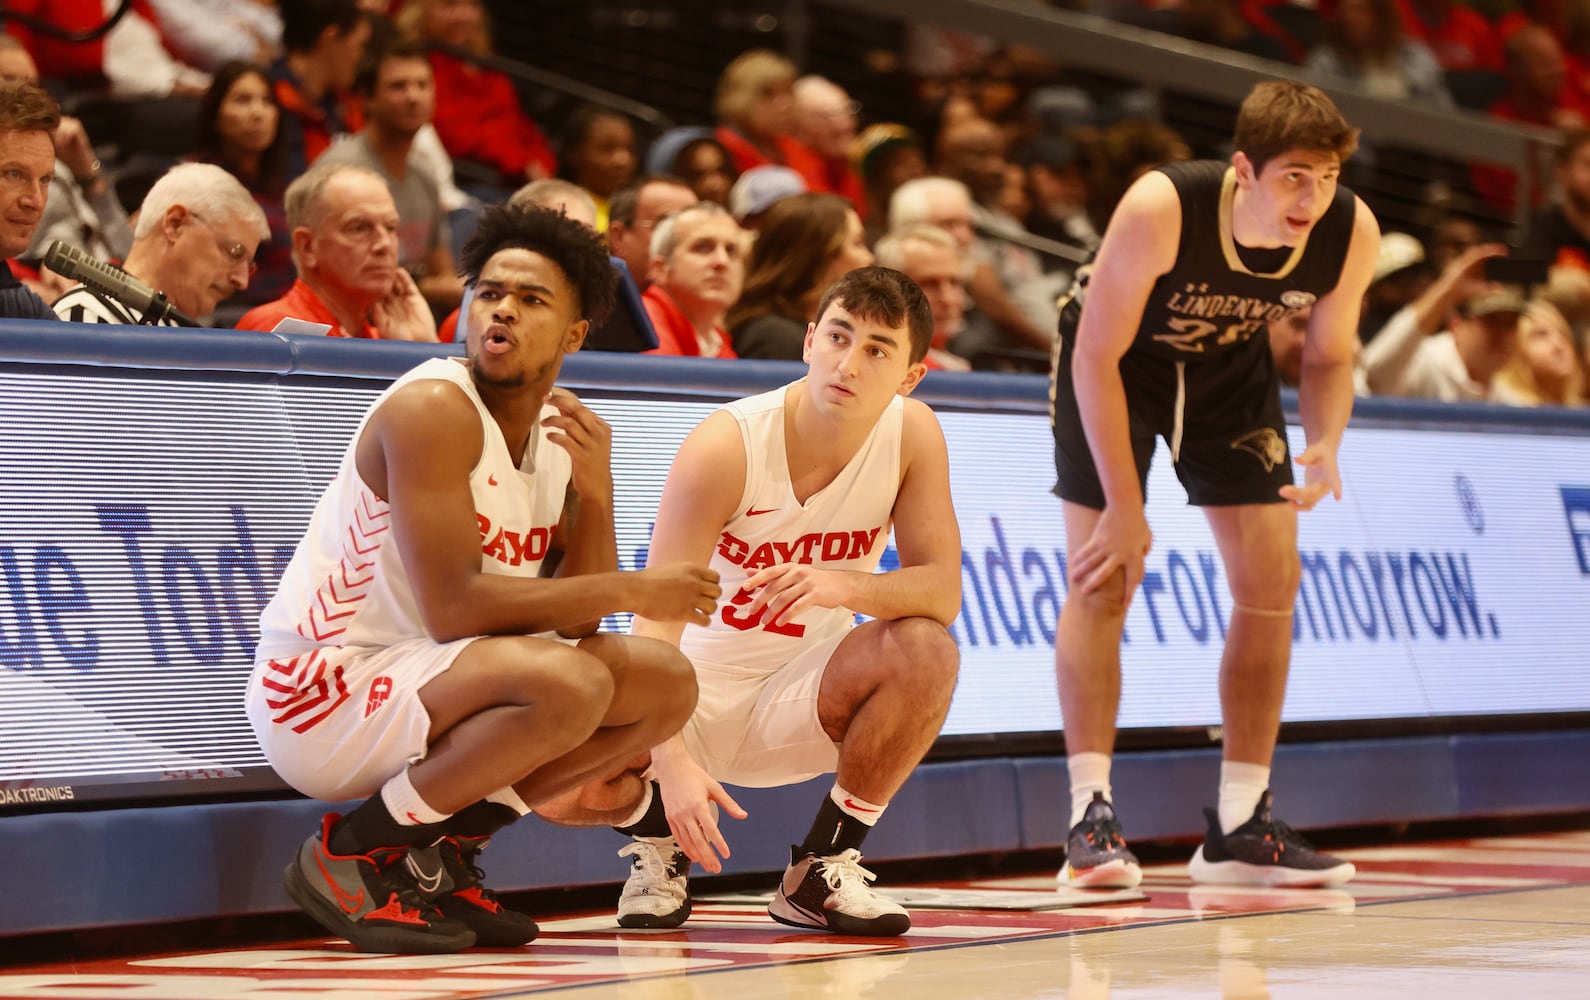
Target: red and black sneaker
column 460, row 895
column 372, row 899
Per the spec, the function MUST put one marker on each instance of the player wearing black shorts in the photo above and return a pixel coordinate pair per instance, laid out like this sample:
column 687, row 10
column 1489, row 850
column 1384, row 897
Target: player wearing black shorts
column 1165, row 338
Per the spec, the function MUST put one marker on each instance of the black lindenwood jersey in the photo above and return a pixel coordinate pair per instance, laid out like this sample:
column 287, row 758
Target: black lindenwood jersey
column 1216, row 296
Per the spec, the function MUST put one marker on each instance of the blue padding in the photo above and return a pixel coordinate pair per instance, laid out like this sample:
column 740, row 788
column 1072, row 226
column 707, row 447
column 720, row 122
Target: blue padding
column 130, row 866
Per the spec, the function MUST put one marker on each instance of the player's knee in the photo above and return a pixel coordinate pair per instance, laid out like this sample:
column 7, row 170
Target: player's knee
column 1105, row 603
column 669, row 678
column 928, row 654
column 1269, row 583
column 578, row 691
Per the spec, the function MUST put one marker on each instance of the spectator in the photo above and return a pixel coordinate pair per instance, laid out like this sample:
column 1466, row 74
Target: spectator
column 1561, row 230
column 825, row 123
column 1401, row 275
column 485, row 124
column 28, row 120
column 694, row 155
column 240, row 131
column 1543, row 369
column 1459, row 36
column 207, row 34
column 806, row 243
column 885, row 156
column 1538, row 93
column 697, row 270
column 396, row 83
column 1450, row 236
column 83, row 210
column 599, row 155
column 758, row 189
column 1409, row 357
column 1364, row 43
column 558, row 195
column 755, row 105
column 198, row 230
column 973, row 152
column 1057, row 175
column 323, row 43
column 930, row 257
column 344, row 225
column 633, row 213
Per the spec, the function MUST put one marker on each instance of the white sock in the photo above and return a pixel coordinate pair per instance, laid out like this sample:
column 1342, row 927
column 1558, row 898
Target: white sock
column 1090, row 772
column 640, row 809
column 856, row 807
column 510, row 798
column 405, row 804
column 1241, row 787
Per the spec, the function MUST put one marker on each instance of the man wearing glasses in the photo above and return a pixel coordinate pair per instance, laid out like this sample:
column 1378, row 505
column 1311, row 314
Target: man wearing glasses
column 634, row 212
column 344, row 227
column 195, row 241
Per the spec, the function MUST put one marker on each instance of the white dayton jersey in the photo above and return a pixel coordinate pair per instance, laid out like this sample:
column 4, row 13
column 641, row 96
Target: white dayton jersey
column 844, row 526
column 346, row 591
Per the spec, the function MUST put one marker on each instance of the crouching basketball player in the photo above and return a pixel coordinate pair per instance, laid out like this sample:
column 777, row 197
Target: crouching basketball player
column 791, row 496
column 416, row 650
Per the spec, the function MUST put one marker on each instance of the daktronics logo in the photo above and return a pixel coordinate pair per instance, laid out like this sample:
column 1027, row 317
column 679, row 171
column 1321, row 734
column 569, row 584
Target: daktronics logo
column 1576, row 505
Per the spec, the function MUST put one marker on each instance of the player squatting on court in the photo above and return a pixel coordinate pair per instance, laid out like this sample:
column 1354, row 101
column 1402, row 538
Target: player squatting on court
column 421, row 649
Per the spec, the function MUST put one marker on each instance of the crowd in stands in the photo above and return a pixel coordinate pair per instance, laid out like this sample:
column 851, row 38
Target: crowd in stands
column 319, row 162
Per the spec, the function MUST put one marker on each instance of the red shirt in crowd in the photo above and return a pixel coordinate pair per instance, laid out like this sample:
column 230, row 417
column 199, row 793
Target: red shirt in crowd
column 483, row 120
column 302, row 303
column 675, row 334
column 1465, row 40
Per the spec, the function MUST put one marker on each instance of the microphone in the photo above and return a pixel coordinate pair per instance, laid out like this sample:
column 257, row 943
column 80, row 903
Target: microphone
column 113, row 282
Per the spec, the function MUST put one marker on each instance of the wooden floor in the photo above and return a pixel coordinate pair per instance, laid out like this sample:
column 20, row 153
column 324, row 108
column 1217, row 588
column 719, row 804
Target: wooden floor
column 1494, row 918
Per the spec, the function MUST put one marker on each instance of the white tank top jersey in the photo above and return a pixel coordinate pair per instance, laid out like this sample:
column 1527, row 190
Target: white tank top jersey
column 844, row 526
column 346, row 584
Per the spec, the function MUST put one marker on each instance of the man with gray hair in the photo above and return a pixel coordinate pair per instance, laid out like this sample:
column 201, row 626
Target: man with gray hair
column 697, row 271
column 197, row 233
column 344, row 229
column 825, row 122
column 930, row 257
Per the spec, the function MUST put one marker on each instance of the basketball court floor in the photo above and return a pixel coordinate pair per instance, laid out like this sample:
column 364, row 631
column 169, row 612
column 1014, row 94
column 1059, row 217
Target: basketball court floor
column 1482, row 918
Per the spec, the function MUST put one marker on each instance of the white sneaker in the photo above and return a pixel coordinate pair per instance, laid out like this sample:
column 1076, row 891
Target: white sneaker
column 657, row 893
column 832, row 894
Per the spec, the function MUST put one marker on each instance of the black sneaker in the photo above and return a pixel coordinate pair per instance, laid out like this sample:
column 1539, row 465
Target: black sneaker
column 1096, row 853
column 448, row 870
column 831, row 894
column 1263, row 851
column 371, row 899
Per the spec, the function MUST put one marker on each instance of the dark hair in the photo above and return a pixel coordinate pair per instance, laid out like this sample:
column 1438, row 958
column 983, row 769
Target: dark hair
column 575, row 248
column 1385, row 41
column 304, row 20
column 884, row 295
column 1282, row 115
column 379, row 54
column 798, row 237
column 621, row 207
column 1572, row 140
column 27, row 107
column 273, row 161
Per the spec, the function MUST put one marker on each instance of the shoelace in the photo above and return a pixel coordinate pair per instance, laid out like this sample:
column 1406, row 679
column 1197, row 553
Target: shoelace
column 844, row 867
column 649, row 856
column 1108, row 829
column 392, row 876
column 466, row 874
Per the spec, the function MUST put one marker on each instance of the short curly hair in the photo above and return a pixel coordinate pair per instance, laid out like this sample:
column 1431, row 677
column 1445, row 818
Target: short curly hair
column 575, row 248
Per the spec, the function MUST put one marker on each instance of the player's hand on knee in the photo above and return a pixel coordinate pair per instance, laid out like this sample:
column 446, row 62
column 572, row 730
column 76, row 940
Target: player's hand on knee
column 1320, row 476
column 688, row 795
column 1120, row 542
column 678, row 592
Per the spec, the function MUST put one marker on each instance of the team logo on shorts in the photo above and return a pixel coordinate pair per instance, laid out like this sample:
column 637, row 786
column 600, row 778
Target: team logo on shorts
column 1266, row 444
column 1296, row 299
column 380, row 691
